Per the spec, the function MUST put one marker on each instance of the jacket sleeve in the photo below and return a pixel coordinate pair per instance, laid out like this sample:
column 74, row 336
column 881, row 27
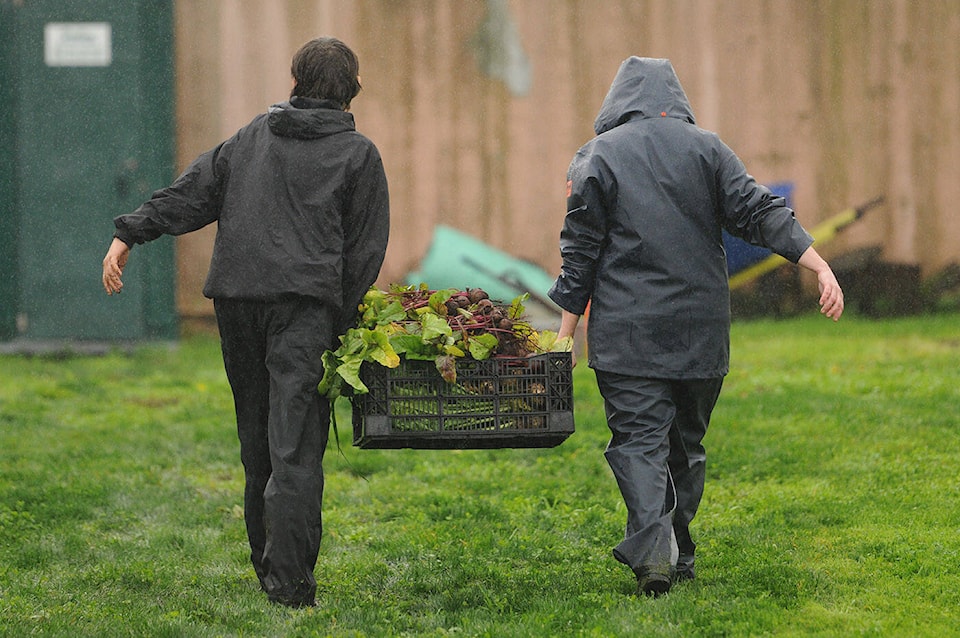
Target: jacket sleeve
column 583, row 234
column 752, row 212
column 366, row 229
column 190, row 203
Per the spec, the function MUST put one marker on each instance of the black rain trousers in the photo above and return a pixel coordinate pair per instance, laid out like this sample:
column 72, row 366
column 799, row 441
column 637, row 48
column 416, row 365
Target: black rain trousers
column 272, row 357
column 657, row 456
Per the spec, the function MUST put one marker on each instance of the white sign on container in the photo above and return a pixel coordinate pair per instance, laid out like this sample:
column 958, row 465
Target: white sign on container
column 77, row 44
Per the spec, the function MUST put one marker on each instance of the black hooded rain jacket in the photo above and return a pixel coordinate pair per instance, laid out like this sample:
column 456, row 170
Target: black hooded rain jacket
column 302, row 207
column 642, row 240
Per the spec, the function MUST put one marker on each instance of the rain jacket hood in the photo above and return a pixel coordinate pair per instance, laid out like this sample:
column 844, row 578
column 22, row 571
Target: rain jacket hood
column 308, row 119
column 643, row 87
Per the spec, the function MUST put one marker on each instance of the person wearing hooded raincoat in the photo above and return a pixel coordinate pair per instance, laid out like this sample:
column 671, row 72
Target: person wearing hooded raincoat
column 302, row 210
column 641, row 242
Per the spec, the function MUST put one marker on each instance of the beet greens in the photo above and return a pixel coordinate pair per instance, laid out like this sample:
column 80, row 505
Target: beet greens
column 440, row 325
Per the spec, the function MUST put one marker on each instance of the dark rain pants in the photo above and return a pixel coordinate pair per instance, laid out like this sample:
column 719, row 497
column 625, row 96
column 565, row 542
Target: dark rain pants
column 657, row 456
column 272, row 356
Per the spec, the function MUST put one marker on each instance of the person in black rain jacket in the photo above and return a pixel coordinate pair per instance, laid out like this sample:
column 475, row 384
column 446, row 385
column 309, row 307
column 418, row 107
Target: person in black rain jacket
column 301, row 204
column 648, row 198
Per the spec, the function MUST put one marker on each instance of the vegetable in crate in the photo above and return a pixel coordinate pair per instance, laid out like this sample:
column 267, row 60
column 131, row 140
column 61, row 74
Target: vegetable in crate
column 439, row 325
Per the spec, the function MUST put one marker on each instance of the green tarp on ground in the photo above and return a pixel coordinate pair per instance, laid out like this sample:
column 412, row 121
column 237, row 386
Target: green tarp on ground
column 457, row 260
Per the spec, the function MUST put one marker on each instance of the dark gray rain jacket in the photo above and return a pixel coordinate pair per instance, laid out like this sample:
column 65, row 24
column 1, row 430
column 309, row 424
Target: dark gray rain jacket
column 301, row 202
column 642, row 241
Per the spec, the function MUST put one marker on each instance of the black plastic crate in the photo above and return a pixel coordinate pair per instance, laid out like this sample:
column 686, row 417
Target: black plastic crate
column 513, row 402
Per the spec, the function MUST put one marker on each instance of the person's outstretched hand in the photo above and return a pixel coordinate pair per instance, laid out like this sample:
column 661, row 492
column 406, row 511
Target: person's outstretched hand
column 113, row 265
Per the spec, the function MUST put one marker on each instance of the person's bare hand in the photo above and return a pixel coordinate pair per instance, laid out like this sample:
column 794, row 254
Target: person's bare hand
column 831, row 295
column 113, row 265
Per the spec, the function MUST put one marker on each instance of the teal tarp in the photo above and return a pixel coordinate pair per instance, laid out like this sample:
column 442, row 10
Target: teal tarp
column 457, row 260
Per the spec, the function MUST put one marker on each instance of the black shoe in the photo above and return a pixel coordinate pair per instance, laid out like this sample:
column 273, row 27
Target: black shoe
column 297, row 596
column 293, row 603
column 653, row 584
column 684, row 573
column 684, row 569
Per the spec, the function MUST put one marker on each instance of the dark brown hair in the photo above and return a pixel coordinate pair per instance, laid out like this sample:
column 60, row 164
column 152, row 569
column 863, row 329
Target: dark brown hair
column 325, row 68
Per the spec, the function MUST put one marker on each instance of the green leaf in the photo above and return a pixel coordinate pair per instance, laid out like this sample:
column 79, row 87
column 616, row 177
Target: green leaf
column 435, row 327
column 481, row 346
column 438, row 298
column 454, row 350
column 422, row 355
column 330, row 383
column 383, row 353
column 547, row 342
column 391, row 313
column 373, row 301
column 403, row 342
column 516, row 306
column 350, row 371
column 353, row 342
column 413, row 347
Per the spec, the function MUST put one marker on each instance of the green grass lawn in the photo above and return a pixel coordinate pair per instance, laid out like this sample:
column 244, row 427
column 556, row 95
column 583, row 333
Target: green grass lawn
column 832, row 506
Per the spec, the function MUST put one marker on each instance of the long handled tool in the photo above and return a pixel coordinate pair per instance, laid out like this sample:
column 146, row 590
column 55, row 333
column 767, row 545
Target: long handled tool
column 824, row 232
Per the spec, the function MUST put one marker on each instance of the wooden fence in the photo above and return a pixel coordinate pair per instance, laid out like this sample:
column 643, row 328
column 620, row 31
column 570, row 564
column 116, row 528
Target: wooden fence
column 477, row 106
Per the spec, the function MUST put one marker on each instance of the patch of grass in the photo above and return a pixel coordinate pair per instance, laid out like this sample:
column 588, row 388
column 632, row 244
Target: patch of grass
column 832, row 506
